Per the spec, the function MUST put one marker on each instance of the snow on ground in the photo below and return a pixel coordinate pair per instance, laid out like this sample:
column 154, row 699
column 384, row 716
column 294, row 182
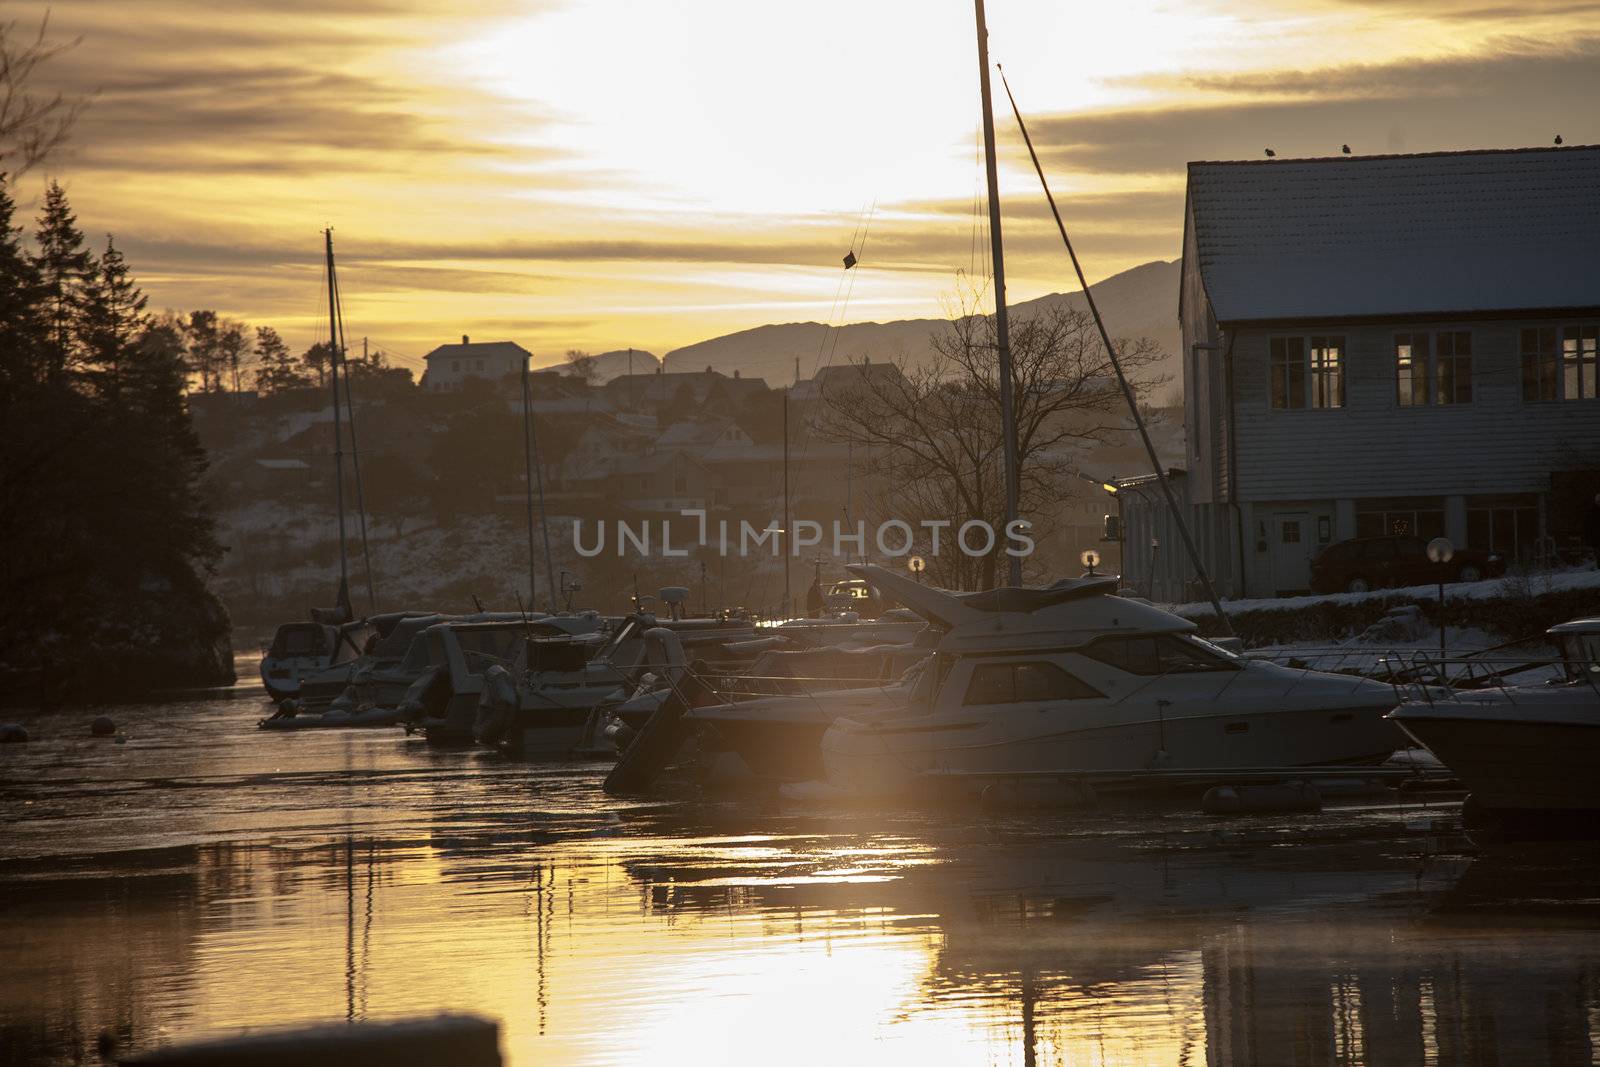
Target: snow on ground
column 1488, row 589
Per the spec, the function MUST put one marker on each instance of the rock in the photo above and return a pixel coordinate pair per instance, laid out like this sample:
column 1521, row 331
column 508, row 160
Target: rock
column 102, row 726
column 12, row 732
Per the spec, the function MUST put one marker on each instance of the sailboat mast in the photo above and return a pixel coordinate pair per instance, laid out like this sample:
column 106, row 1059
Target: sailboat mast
column 783, row 608
column 1008, row 418
column 338, row 435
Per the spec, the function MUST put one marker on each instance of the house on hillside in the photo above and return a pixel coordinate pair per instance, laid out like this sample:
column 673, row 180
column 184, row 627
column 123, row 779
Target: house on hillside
column 842, row 378
column 707, row 389
column 451, row 365
column 1401, row 344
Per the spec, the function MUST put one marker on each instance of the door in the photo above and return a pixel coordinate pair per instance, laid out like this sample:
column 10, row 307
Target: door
column 1291, row 552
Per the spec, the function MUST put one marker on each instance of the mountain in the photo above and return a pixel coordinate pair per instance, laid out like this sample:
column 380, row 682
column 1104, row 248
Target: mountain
column 1141, row 302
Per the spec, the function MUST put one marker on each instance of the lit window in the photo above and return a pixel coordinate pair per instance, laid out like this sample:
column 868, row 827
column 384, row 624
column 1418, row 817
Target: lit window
column 1327, row 372
column 1453, row 367
column 1540, row 361
column 1288, row 361
column 1411, row 369
column 1578, row 344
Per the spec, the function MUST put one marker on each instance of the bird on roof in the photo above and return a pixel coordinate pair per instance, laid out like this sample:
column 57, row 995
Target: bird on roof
column 1271, row 154
column 1345, row 149
column 1558, row 138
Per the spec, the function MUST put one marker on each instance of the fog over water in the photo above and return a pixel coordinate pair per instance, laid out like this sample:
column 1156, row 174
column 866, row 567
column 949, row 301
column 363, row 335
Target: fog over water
column 203, row 877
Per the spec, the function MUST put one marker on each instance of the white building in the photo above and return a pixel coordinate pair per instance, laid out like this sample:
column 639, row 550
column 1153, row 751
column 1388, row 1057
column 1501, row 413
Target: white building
column 450, row 365
column 1383, row 345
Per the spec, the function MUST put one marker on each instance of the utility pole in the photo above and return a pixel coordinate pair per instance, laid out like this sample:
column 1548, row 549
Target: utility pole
column 1008, row 423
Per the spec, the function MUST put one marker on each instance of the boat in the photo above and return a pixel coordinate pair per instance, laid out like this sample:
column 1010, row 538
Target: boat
column 1522, row 750
column 302, row 650
column 555, row 700
column 394, row 633
column 1066, row 680
column 369, row 689
column 442, row 704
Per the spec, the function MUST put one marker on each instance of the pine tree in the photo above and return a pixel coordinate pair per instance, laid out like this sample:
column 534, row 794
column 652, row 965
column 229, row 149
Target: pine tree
column 276, row 370
column 232, row 344
column 315, row 359
column 63, row 264
column 204, row 349
column 111, row 322
column 21, row 331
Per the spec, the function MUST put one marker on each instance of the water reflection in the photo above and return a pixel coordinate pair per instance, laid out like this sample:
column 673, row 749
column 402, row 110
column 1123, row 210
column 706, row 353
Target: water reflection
column 779, row 932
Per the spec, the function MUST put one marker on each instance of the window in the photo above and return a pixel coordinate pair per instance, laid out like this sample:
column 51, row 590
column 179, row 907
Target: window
column 1540, row 361
column 1507, row 525
column 1016, row 683
column 1453, row 367
column 1327, row 372
column 1411, row 369
column 480, row 364
column 1400, row 519
column 1578, row 351
column 1166, row 654
column 1291, row 532
column 1288, row 361
column 455, row 364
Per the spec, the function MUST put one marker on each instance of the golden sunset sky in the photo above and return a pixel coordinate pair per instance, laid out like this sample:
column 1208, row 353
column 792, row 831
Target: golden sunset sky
column 602, row 174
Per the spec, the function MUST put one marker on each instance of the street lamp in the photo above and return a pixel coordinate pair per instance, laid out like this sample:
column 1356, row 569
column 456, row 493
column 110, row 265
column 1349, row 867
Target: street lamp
column 1091, row 560
column 1440, row 552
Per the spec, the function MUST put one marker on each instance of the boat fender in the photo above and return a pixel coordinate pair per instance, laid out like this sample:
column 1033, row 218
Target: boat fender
column 102, row 726
column 1261, row 799
column 12, row 733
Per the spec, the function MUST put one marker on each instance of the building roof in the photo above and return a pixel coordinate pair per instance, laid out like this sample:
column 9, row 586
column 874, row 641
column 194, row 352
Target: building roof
column 479, row 350
column 1354, row 236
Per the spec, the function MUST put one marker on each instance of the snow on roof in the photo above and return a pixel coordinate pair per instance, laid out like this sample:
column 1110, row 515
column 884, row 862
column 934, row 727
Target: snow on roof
column 1398, row 235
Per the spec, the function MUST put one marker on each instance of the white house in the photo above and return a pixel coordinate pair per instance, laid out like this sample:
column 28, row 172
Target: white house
column 1389, row 344
column 450, row 365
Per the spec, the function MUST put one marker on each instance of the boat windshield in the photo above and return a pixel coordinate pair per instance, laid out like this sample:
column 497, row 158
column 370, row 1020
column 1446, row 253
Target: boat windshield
column 1160, row 654
column 299, row 639
column 1581, row 653
column 484, row 648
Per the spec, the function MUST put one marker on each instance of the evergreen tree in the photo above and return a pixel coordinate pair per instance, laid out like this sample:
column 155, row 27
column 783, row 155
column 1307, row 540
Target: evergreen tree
column 21, row 331
column 315, row 360
column 232, row 344
column 203, row 334
column 276, row 370
column 111, row 322
column 63, row 264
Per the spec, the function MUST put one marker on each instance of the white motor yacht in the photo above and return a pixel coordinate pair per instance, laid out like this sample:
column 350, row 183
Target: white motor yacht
column 1525, row 749
column 1073, row 678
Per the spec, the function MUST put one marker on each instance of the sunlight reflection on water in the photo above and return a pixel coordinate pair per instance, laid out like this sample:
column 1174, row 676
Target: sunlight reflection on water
column 204, row 878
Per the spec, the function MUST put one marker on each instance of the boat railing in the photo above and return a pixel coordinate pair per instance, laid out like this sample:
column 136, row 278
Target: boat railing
column 1418, row 675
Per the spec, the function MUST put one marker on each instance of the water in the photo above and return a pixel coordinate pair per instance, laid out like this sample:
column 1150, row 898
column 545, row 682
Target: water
column 204, row 878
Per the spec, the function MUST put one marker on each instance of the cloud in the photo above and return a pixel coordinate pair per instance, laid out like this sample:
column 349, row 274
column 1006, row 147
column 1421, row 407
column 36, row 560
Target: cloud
column 1521, row 96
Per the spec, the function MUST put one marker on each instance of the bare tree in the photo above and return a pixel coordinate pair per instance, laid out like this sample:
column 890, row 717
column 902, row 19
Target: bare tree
column 581, row 366
column 927, row 436
column 33, row 124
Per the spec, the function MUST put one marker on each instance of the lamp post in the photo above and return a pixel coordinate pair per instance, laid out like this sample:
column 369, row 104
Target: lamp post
column 1440, row 552
column 1091, row 560
column 916, row 565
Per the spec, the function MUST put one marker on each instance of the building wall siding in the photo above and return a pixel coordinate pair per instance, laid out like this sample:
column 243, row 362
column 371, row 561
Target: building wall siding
column 1372, row 447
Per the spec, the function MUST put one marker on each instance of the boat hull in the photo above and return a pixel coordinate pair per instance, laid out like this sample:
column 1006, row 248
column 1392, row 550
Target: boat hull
column 1514, row 759
column 899, row 755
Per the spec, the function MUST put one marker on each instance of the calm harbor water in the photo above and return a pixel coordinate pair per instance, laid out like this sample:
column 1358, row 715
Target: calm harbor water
column 203, row 878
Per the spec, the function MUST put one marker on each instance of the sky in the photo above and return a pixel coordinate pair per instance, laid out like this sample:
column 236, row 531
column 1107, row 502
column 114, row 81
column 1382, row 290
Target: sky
column 604, row 174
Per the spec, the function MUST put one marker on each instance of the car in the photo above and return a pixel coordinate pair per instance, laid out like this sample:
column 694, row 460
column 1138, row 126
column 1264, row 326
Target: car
column 1364, row 563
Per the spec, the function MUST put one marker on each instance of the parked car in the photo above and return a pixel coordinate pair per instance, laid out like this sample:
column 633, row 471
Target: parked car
column 1365, row 563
